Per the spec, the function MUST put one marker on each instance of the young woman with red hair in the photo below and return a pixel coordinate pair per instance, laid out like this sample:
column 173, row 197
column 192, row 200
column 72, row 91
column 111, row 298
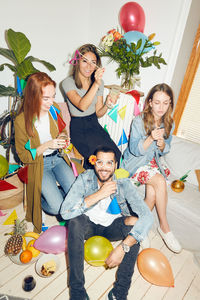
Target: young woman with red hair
column 38, row 140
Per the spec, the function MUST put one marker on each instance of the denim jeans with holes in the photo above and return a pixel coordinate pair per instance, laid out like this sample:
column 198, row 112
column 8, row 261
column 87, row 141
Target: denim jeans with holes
column 56, row 170
column 81, row 228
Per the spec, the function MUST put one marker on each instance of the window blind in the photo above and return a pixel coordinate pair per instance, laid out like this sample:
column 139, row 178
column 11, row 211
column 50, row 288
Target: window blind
column 189, row 126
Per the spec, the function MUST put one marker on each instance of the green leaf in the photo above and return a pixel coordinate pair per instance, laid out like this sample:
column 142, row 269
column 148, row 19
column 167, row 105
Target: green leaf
column 19, row 43
column 8, row 54
column 11, row 67
column 25, row 68
column 49, row 66
column 7, row 91
column 139, row 43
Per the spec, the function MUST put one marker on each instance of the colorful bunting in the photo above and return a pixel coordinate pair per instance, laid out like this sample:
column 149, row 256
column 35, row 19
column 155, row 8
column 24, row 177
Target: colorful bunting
column 6, row 186
column 11, row 219
column 23, row 174
column 105, row 128
column 135, row 94
column 123, row 139
column 53, row 111
column 136, row 110
column 122, row 112
column 33, row 151
column 19, row 89
column 113, row 113
column 2, row 214
column 13, row 168
column 113, row 208
column 61, row 123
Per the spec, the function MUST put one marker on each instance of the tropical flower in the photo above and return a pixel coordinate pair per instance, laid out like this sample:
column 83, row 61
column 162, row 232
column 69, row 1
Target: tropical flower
column 92, row 159
column 129, row 56
column 167, row 172
column 153, row 163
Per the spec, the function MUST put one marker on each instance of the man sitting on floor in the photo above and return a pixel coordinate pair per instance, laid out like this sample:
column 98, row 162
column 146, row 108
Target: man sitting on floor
column 86, row 206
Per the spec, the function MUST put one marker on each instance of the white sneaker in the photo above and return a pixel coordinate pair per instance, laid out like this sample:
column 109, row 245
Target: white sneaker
column 171, row 242
column 145, row 243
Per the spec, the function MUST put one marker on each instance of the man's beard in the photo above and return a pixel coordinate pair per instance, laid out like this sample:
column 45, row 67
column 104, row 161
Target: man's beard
column 103, row 180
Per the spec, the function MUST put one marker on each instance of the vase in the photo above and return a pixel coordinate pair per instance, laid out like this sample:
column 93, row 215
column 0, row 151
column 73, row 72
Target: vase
column 130, row 81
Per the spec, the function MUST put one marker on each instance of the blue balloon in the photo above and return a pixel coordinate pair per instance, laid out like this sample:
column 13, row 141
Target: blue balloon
column 134, row 37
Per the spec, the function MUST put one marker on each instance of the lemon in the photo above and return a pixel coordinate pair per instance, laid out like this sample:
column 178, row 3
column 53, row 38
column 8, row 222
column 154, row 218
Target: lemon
column 31, row 248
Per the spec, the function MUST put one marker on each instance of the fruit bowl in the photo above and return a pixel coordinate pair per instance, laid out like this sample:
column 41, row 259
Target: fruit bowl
column 16, row 258
column 44, row 259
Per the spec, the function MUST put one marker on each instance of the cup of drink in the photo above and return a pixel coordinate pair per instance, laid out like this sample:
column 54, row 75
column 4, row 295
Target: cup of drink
column 114, row 94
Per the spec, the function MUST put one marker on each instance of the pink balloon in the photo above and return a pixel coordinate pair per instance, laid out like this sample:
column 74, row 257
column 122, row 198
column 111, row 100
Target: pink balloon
column 132, row 17
column 53, row 240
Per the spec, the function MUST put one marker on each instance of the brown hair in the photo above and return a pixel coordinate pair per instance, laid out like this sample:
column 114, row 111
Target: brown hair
column 33, row 96
column 147, row 112
column 75, row 70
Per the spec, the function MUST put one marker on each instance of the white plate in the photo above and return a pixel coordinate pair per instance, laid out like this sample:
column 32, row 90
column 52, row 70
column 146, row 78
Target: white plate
column 44, row 259
column 16, row 258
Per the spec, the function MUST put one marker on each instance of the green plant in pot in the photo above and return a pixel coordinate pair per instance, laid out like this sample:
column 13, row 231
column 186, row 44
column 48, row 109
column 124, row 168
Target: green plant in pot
column 22, row 66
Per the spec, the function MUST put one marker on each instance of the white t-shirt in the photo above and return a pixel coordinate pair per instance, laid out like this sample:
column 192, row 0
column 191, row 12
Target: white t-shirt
column 43, row 128
column 98, row 215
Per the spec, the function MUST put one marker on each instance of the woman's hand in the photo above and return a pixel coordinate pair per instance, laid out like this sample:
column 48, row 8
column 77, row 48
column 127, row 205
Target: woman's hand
column 98, row 75
column 110, row 102
column 161, row 144
column 157, row 133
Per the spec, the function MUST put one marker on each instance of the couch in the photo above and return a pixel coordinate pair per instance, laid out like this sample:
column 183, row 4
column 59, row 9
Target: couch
column 183, row 210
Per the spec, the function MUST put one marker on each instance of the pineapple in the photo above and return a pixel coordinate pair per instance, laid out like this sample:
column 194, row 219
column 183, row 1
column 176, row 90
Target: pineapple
column 14, row 243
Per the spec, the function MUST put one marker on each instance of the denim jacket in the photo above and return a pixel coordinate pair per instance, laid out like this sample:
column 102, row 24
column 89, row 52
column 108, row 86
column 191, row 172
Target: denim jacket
column 86, row 184
column 135, row 156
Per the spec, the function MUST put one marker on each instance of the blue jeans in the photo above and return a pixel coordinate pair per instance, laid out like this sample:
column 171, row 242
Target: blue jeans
column 81, row 228
column 55, row 170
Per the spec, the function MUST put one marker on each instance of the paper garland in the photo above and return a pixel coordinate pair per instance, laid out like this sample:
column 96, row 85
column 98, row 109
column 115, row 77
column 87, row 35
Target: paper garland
column 28, row 147
column 113, row 113
column 6, row 186
column 11, row 219
column 123, row 139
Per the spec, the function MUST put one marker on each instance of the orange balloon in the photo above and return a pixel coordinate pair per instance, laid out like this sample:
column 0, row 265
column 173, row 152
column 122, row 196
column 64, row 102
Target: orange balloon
column 155, row 267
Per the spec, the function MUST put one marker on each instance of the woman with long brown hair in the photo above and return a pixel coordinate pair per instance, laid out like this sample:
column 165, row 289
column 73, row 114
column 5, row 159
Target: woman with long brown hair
column 150, row 138
column 38, row 138
column 84, row 96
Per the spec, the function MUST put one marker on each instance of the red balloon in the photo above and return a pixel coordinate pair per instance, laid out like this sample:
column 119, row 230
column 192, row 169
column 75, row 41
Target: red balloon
column 132, row 17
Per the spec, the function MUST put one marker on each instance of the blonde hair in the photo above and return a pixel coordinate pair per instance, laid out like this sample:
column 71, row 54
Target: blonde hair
column 147, row 114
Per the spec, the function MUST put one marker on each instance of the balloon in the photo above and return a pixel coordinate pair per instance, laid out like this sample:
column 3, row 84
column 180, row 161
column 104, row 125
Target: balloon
column 97, row 249
column 134, row 37
column 155, row 267
column 132, row 17
column 53, row 240
column 4, row 166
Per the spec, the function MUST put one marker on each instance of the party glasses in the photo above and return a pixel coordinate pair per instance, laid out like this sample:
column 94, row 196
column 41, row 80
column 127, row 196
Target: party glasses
column 100, row 163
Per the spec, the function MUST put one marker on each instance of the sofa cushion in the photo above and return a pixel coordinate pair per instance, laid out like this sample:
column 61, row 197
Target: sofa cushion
column 183, row 156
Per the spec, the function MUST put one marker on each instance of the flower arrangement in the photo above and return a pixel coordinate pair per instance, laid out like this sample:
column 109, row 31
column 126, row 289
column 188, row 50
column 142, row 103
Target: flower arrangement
column 92, row 159
column 130, row 55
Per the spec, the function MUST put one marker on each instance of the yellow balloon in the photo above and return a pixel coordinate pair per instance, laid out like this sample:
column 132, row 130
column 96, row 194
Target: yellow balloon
column 96, row 250
column 4, row 166
column 155, row 267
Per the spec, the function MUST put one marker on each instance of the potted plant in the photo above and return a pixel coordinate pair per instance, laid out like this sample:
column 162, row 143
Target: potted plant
column 22, row 66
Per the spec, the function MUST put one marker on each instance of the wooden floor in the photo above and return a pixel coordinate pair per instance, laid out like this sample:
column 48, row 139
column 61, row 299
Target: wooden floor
column 98, row 280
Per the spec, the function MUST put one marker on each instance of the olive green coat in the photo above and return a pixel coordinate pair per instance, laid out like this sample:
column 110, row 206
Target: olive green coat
column 35, row 166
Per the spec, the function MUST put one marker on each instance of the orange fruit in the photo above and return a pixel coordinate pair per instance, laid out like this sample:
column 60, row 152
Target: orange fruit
column 31, row 248
column 26, row 256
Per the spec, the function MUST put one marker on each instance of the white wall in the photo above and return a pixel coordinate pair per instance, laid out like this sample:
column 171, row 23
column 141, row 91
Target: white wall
column 56, row 28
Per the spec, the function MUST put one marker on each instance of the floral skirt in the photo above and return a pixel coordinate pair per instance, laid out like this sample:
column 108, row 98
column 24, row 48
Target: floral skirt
column 144, row 173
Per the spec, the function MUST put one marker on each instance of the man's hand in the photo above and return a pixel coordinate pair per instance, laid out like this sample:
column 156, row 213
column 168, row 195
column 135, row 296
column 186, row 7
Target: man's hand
column 107, row 189
column 115, row 258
